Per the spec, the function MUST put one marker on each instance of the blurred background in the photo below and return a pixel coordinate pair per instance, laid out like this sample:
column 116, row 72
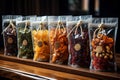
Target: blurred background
column 97, row 8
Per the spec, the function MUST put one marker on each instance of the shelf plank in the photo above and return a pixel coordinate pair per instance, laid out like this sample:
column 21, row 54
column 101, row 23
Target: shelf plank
column 64, row 68
column 46, row 74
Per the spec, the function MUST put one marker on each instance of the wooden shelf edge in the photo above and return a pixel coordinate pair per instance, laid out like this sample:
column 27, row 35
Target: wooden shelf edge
column 64, row 68
column 22, row 75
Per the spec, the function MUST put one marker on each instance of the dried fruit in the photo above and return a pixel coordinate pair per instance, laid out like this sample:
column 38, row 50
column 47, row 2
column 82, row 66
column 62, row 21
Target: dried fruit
column 111, row 56
column 97, row 54
column 59, row 46
column 105, row 57
column 100, row 55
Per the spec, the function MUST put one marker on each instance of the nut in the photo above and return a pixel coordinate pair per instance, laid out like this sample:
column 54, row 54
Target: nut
column 97, row 54
column 108, row 48
column 107, row 54
column 103, row 51
column 105, row 57
column 103, row 54
column 111, row 56
column 100, row 44
column 100, row 55
column 111, row 52
column 108, row 51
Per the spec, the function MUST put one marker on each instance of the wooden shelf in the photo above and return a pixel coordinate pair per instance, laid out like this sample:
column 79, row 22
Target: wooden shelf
column 8, row 61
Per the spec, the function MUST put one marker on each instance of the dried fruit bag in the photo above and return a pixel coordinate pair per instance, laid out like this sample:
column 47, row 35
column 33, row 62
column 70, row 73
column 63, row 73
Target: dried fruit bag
column 25, row 47
column 40, row 39
column 58, row 39
column 78, row 38
column 9, row 35
column 102, row 33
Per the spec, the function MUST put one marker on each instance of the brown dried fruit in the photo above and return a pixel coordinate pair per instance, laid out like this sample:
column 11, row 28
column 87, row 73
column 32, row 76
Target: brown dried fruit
column 97, row 54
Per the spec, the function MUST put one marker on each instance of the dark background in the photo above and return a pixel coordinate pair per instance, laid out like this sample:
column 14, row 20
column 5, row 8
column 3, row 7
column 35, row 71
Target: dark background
column 108, row 8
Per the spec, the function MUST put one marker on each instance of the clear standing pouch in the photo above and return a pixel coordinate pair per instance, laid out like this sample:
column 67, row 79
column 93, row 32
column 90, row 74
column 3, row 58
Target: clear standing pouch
column 102, row 33
column 40, row 39
column 25, row 47
column 78, row 38
column 58, row 39
column 9, row 34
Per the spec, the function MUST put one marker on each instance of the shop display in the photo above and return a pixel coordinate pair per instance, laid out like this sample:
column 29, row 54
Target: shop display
column 77, row 41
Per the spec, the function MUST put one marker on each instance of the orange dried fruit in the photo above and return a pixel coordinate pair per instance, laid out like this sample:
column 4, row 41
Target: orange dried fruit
column 109, row 40
column 58, row 42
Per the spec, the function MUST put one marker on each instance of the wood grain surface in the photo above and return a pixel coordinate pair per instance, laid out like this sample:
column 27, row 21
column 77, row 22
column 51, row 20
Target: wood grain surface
column 26, row 68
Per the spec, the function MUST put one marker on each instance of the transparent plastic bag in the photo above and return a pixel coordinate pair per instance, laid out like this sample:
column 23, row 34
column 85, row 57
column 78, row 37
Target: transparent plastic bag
column 40, row 39
column 9, row 34
column 102, row 33
column 25, row 47
column 78, row 38
column 58, row 39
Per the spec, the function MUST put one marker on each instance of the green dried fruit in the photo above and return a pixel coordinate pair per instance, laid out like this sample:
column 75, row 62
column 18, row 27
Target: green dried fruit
column 25, row 49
